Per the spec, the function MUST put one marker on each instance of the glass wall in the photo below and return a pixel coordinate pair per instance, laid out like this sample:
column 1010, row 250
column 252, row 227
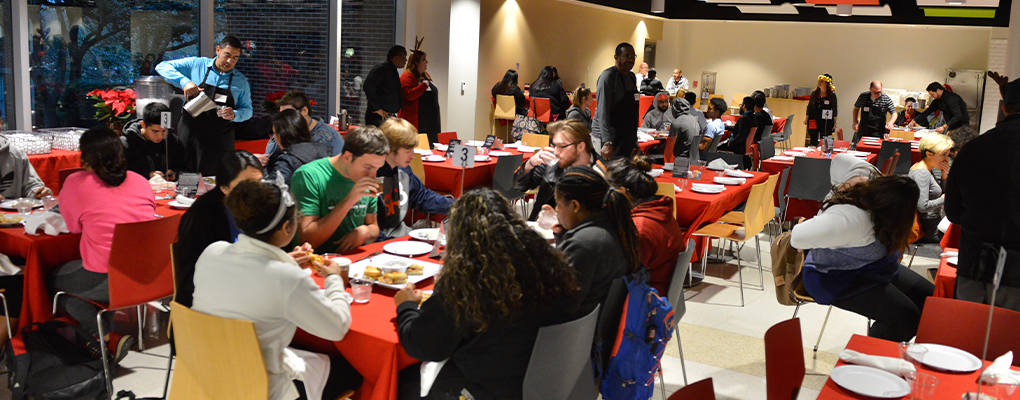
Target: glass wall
column 367, row 31
column 286, row 47
column 80, row 45
column 6, row 68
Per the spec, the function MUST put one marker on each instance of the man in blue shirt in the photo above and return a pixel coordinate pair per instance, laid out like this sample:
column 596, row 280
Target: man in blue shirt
column 209, row 136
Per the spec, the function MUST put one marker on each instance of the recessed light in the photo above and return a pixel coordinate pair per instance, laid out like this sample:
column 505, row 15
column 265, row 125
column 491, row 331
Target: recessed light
column 844, row 10
column 658, row 6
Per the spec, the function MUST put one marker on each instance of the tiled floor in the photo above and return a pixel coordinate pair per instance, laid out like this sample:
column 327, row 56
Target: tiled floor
column 721, row 340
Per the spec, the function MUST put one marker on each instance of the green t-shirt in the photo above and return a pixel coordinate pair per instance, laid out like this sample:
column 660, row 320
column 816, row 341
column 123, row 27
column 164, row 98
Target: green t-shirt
column 318, row 187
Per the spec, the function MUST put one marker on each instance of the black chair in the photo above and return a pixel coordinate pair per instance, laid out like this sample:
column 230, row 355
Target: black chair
column 767, row 147
column 503, row 177
column 809, row 180
column 890, row 148
column 729, row 158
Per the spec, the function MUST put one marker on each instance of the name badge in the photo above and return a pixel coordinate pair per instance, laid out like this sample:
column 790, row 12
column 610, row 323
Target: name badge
column 637, row 96
column 220, row 98
column 866, row 109
column 826, row 102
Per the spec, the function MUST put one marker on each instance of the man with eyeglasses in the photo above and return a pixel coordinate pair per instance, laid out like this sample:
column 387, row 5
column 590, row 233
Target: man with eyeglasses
column 871, row 108
column 570, row 145
column 208, row 137
column 614, row 125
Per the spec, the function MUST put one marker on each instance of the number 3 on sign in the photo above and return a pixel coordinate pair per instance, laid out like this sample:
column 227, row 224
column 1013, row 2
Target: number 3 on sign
column 463, row 156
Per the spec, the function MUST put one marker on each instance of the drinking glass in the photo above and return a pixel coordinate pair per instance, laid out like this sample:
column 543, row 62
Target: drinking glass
column 915, row 354
column 24, row 206
column 885, row 137
column 361, row 290
column 381, row 180
column 998, row 385
column 922, row 386
column 681, row 184
column 49, row 202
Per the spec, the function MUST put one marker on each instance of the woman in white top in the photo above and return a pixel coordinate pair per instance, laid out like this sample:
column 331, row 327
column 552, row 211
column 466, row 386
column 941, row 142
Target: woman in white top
column 253, row 279
column 934, row 150
column 853, row 262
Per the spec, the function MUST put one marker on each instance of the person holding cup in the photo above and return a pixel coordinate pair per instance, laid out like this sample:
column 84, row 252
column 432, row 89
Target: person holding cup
column 337, row 195
column 570, row 145
column 252, row 279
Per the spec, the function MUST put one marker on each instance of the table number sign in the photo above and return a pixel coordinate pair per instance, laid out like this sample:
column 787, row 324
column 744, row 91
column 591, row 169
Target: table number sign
column 489, row 142
column 827, row 144
column 449, row 150
column 164, row 120
column 462, row 156
column 680, row 167
column 826, row 114
column 187, row 184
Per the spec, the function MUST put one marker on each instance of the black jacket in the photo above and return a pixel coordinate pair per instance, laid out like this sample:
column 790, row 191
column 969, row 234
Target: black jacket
column 954, row 111
column 558, row 100
column 544, row 178
column 816, row 105
column 738, row 141
column 143, row 157
column 983, row 197
column 288, row 160
column 203, row 224
column 593, row 248
column 382, row 88
column 519, row 100
column 649, row 87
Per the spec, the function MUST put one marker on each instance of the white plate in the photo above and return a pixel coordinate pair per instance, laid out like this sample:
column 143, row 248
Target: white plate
column 481, row 158
column 950, row 358
column 440, row 146
column 497, row 153
column 425, row 234
column 953, row 260
column 782, row 158
column 408, row 248
column 510, row 145
column 794, row 153
column 728, row 181
column 177, row 204
column 434, row 158
column 11, row 204
column 430, row 270
column 858, row 153
column 707, row 188
column 527, row 149
column 869, row 381
column 736, row 173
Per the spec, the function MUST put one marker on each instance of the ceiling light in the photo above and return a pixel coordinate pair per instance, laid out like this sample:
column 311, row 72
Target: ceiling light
column 956, row 2
column 844, row 10
column 658, row 6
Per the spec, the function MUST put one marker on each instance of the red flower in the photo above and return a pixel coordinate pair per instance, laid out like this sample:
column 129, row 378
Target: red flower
column 275, row 96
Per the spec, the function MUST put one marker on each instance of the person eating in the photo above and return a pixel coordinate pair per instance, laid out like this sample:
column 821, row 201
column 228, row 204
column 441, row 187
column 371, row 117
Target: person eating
column 19, row 178
column 570, row 146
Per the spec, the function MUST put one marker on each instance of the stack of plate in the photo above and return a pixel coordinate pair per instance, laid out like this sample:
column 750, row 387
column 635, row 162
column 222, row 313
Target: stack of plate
column 729, row 181
column 497, row 153
column 434, row 158
column 736, row 173
column 707, row 188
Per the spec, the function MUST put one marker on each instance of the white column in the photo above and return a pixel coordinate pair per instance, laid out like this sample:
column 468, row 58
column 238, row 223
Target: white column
column 462, row 86
column 335, row 50
column 22, row 82
column 1013, row 43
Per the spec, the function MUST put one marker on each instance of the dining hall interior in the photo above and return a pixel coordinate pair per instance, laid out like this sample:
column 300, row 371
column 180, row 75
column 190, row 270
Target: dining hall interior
column 460, row 130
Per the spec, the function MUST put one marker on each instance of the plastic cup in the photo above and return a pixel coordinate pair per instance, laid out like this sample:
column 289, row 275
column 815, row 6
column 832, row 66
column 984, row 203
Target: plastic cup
column 922, row 386
column 361, row 290
column 681, row 184
column 24, row 206
column 49, row 203
column 380, row 179
column 915, row 353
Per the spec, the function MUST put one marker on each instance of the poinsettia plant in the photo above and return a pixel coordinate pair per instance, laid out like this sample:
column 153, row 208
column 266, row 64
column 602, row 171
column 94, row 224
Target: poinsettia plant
column 272, row 100
column 115, row 106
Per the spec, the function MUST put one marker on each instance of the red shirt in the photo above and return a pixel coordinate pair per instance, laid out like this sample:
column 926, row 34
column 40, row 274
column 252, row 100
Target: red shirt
column 660, row 237
column 411, row 89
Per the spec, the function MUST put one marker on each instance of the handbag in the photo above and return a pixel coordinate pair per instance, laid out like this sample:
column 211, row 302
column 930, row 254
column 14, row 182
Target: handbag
column 916, row 233
column 525, row 124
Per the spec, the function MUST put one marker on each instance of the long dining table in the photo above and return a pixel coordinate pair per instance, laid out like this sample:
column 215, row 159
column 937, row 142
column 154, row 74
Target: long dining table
column 43, row 253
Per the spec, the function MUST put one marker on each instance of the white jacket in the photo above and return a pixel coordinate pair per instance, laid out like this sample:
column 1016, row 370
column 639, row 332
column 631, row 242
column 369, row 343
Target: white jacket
column 255, row 281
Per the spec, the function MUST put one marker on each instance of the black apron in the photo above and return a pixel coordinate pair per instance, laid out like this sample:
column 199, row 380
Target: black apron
column 624, row 119
column 208, row 138
column 429, row 121
column 872, row 121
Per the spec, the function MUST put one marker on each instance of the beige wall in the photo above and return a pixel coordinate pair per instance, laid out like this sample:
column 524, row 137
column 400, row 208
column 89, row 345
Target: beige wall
column 431, row 19
column 752, row 55
column 578, row 40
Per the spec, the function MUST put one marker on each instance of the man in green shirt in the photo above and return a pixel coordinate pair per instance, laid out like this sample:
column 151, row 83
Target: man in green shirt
column 337, row 195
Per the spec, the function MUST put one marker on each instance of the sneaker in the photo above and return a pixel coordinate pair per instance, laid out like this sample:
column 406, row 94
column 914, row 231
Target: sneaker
column 118, row 346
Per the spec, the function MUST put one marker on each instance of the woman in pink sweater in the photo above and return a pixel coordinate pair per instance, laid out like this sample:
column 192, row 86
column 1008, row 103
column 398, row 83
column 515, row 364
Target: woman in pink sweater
column 92, row 203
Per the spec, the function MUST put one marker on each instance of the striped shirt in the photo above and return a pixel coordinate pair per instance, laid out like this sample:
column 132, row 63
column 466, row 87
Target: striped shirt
column 882, row 103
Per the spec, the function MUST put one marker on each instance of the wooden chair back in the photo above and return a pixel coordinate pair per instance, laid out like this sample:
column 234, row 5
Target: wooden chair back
column 535, row 140
column 217, row 358
column 506, row 108
column 666, row 189
column 418, row 168
column 902, row 134
column 423, row 142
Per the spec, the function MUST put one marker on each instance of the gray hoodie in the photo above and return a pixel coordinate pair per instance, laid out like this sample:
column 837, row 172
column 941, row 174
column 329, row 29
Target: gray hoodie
column 17, row 176
column 657, row 119
column 685, row 128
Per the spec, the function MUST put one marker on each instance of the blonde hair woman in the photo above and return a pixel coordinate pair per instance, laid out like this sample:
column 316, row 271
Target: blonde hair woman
column 934, row 150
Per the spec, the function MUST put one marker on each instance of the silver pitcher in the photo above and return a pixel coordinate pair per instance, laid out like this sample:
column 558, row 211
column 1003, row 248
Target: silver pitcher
column 199, row 105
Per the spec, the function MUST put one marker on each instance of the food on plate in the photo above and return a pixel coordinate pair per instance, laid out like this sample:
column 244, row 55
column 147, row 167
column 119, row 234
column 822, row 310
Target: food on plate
column 209, row 180
column 4, row 219
column 315, row 259
column 415, row 269
column 393, row 278
column 372, row 272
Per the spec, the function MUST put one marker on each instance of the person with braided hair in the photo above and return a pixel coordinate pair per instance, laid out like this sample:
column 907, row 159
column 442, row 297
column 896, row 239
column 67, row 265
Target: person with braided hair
column 596, row 234
column 501, row 282
column 92, row 203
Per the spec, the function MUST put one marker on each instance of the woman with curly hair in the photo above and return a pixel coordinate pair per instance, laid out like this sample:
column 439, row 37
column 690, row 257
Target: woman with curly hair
column 855, row 245
column 92, row 203
column 821, row 110
column 501, row 282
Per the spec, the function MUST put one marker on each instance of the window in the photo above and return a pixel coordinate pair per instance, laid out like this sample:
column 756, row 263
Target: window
column 80, row 45
column 286, row 47
column 6, row 68
column 366, row 33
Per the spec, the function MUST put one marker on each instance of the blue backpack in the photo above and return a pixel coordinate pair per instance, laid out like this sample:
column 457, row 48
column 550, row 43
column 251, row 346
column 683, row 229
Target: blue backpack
column 645, row 327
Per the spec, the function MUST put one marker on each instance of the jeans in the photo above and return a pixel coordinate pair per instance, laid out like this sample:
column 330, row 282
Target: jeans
column 895, row 306
column 73, row 278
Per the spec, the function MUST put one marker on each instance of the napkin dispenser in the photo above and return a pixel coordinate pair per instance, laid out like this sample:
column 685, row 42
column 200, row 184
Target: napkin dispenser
column 199, row 104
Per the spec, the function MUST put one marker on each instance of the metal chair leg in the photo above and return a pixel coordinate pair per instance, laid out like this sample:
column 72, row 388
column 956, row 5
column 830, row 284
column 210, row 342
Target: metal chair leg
column 796, row 309
column 7, row 317
column 740, row 275
column 105, row 354
column 826, row 321
column 683, row 365
column 169, row 364
column 761, row 273
column 662, row 382
column 141, row 324
column 56, row 298
column 913, row 252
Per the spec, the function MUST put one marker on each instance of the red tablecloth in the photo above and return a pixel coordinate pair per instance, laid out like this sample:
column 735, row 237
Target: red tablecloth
column 645, row 146
column 253, row 146
column 798, row 207
column 42, row 253
column 372, row 345
column 48, row 166
column 945, row 278
column 951, row 385
column 445, row 177
column 915, row 155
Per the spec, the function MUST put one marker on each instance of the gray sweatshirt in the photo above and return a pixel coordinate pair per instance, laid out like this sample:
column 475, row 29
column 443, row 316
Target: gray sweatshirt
column 17, row 176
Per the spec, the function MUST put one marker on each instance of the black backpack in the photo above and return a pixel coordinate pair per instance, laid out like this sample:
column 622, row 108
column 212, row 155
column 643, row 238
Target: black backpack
column 50, row 361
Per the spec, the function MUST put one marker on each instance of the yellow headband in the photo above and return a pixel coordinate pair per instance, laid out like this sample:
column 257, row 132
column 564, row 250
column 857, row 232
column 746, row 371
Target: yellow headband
column 827, row 80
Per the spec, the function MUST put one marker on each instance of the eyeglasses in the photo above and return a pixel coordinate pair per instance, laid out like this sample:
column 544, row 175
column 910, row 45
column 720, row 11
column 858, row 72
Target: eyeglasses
column 628, row 57
column 563, row 147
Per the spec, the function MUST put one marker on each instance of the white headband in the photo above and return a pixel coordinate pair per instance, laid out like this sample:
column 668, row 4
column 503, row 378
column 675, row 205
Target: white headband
column 286, row 200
